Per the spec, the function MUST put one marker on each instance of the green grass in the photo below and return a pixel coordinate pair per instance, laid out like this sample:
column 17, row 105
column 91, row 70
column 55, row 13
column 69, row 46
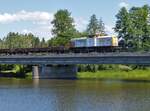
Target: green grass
column 29, row 75
column 116, row 74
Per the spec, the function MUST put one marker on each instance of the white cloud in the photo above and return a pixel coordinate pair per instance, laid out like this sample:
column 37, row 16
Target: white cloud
column 35, row 16
column 123, row 4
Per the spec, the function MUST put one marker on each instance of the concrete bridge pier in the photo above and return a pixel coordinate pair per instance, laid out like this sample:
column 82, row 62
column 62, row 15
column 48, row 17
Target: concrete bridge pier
column 54, row 72
column 35, row 72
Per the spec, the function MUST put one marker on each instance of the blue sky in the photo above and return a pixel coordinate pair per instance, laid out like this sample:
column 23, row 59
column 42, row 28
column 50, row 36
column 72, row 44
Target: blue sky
column 34, row 16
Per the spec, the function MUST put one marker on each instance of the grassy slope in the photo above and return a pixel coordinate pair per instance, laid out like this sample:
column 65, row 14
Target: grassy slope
column 120, row 75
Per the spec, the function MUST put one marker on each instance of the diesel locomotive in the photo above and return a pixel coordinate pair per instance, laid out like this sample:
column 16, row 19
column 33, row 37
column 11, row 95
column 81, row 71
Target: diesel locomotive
column 95, row 44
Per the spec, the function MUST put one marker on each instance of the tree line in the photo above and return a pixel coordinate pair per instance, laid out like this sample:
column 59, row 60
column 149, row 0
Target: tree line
column 16, row 40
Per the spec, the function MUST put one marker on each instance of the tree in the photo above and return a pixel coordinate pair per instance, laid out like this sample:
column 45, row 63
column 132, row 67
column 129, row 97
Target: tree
column 123, row 24
column 36, row 42
column 16, row 40
column 63, row 26
column 95, row 26
column 101, row 27
column 43, row 43
column 140, row 25
column 134, row 26
column 1, row 44
column 145, row 40
column 136, row 15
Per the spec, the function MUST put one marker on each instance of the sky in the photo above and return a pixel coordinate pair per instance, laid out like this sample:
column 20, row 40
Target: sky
column 34, row 16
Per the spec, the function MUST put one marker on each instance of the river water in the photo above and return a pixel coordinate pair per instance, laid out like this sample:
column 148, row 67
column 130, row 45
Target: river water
column 73, row 95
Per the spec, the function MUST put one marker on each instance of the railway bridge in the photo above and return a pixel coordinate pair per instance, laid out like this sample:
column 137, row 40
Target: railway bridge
column 64, row 65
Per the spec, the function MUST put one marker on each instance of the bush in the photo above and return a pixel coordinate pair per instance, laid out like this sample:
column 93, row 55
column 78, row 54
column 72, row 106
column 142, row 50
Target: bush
column 125, row 68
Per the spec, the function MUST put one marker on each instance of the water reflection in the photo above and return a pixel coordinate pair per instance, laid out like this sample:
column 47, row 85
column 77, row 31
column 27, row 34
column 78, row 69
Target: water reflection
column 36, row 83
column 76, row 95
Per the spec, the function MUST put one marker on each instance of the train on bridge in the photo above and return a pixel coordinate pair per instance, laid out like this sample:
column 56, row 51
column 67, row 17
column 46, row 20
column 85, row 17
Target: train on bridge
column 77, row 45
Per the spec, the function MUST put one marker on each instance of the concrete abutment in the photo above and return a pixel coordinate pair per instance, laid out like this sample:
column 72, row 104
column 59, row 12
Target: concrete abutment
column 54, row 72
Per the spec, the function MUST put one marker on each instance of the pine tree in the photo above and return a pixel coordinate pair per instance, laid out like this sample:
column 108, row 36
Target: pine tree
column 101, row 27
column 93, row 26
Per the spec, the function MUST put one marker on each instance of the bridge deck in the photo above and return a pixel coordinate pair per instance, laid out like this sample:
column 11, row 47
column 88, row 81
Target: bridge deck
column 78, row 54
column 93, row 58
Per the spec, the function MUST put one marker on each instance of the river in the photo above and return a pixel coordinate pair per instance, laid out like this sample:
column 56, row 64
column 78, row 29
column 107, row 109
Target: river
column 73, row 95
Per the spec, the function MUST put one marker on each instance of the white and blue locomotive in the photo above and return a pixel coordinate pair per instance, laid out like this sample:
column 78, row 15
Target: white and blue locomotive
column 95, row 44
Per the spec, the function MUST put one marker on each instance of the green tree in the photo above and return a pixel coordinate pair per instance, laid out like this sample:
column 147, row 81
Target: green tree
column 136, row 15
column 123, row 24
column 134, row 26
column 93, row 26
column 146, row 28
column 63, row 27
column 43, row 43
column 140, row 25
column 101, row 27
column 36, row 42
column 9, row 40
column 16, row 40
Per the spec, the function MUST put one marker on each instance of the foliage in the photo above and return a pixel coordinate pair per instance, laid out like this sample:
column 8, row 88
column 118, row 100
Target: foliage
column 43, row 43
column 63, row 28
column 134, row 26
column 6, row 67
column 123, row 24
column 96, row 67
column 16, row 40
column 101, row 27
column 95, row 26
column 116, row 74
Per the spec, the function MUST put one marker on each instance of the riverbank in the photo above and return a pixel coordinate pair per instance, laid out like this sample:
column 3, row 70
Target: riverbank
column 131, row 75
column 116, row 75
